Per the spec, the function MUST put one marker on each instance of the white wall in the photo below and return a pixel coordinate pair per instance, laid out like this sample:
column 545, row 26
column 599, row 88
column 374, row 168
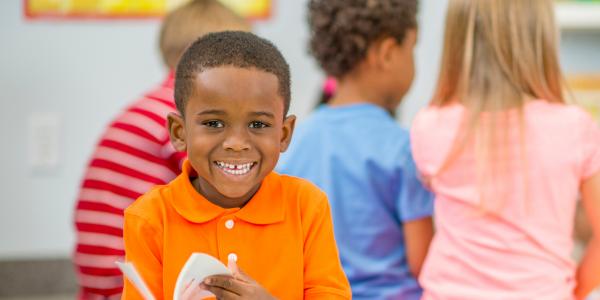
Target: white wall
column 85, row 71
column 82, row 71
column 580, row 51
column 428, row 54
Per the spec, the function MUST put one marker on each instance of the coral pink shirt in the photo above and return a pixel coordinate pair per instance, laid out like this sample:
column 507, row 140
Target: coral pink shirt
column 521, row 251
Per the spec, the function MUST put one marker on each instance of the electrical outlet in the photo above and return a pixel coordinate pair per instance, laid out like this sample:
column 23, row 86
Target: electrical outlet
column 44, row 140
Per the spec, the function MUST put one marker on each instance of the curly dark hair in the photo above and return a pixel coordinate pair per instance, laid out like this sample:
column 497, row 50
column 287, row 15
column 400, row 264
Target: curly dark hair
column 343, row 30
column 230, row 48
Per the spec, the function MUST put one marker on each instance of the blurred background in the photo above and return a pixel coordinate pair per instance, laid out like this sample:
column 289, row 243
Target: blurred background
column 63, row 77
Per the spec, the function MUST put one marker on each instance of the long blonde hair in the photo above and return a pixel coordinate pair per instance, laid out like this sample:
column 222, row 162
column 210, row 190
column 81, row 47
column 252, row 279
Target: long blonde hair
column 498, row 54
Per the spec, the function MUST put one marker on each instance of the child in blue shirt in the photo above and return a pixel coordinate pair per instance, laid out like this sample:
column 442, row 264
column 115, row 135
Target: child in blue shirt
column 354, row 150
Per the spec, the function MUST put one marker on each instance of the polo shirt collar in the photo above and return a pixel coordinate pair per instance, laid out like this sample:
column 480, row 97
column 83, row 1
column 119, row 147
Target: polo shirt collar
column 266, row 207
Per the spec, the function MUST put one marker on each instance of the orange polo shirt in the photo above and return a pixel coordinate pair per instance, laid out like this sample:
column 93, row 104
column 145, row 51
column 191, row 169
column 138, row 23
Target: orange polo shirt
column 282, row 238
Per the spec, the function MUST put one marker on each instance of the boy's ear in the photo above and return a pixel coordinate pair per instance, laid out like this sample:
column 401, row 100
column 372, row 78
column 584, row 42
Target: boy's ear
column 288, row 129
column 384, row 51
column 177, row 131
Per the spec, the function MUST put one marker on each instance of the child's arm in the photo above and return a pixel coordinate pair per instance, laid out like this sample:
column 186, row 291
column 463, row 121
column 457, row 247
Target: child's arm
column 583, row 230
column 417, row 235
column 414, row 209
column 588, row 274
column 143, row 249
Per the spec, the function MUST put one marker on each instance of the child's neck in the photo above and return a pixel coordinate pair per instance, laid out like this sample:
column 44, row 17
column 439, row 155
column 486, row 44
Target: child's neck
column 354, row 90
column 215, row 197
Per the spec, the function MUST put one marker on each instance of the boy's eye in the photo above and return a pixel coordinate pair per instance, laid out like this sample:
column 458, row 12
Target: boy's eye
column 213, row 124
column 257, row 124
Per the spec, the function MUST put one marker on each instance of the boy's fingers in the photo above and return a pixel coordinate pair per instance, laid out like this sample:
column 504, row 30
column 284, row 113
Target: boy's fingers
column 221, row 293
column 232, row 266
column 192, row 291
column 237, row 272
column 224, row 282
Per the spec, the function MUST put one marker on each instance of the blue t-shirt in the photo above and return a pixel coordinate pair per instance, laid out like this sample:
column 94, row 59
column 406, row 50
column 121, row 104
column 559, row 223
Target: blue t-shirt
column 361, row 158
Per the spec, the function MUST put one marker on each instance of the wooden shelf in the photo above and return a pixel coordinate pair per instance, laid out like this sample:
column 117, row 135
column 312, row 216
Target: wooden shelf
column 578, row 15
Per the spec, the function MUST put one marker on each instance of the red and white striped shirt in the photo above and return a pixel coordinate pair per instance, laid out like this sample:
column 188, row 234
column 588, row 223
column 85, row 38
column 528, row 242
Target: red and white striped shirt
column 133, row 155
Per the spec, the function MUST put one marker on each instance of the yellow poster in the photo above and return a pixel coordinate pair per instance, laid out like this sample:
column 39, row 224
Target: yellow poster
column 253, row 9
column 257, row 9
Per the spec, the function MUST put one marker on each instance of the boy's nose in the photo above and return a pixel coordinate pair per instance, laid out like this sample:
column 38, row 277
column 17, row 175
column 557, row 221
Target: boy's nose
column 237, row 140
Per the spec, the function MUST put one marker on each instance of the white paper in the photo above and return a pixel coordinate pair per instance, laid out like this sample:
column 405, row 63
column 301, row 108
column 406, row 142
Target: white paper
column 134, row 277
column 198, row 267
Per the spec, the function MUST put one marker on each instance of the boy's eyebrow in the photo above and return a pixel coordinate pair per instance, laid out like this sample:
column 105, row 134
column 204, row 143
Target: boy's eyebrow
column 211, row 112
column 263, row 113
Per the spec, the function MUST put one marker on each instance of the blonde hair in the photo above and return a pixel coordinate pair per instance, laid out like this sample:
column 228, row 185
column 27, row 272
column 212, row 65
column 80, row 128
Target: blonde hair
column 185, row 24
column 498, row 54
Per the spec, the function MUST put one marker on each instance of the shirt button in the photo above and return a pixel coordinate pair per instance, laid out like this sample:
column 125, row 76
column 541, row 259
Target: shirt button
column 229, row 224
column 232, row 256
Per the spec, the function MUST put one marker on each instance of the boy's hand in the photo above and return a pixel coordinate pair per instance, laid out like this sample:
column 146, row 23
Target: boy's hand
column 238, row 286
column 194, row 291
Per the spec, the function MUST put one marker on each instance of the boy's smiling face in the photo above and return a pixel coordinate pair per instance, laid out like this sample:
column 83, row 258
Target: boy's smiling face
column 233, row 131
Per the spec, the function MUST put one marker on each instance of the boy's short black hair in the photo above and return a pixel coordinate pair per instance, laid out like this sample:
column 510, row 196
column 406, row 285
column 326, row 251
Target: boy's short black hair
column 230, row 48
column 343, row 30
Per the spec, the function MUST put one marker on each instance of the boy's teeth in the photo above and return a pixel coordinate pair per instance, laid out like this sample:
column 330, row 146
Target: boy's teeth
column 235, row 169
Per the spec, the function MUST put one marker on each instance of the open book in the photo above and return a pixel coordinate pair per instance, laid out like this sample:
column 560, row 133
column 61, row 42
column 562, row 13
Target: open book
column 197, row 267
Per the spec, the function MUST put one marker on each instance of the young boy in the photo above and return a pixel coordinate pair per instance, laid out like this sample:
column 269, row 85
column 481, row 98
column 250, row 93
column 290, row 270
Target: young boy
column 134, row 154
column 232, row 91
column 354, row 150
